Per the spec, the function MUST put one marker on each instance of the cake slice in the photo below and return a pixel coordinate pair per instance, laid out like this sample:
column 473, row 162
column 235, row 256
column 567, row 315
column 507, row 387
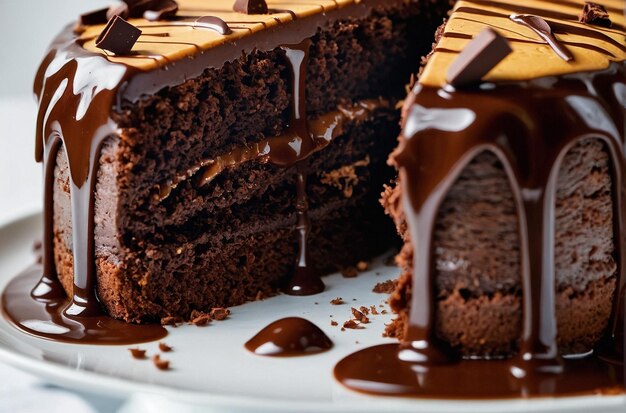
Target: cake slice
column 196, row 150
column 520, row 172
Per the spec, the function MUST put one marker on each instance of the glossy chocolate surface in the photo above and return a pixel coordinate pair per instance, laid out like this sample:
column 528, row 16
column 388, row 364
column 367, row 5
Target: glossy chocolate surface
column 289, row 337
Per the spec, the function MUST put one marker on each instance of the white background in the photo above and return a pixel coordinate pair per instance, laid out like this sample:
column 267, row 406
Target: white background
column 26, row 29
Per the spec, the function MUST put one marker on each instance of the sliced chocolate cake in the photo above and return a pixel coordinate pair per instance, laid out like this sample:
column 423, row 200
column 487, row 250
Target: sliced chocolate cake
column 510, row 201
column 546, row 131
column 195, row 150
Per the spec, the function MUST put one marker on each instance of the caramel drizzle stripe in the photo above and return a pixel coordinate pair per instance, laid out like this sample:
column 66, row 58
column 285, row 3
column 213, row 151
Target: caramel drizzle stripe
column 454, row 35
column 578, row 5
column 557, row 27
column 495, row 27
column 545, row 13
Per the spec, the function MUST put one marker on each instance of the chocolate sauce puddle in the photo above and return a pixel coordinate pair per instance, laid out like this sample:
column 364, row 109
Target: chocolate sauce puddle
column 378, row 370
column 289, row 337
column 41, row 312
column 443, row 131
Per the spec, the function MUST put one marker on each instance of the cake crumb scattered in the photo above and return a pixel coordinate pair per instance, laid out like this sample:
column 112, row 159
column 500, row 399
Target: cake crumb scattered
column 385, row 287
column 337, row 301
column 260, row 296
column 373, row 310
column 137, row 353
column 199, row 318
column 352, row 325
column 334, row 323
column 350, row 272
column 359, row 316
column 362, row 266
column 171, row 321
column 364, row 310
column 220, row 313
column 160, row 363
column 343, row 329
column 164, row 347
column 384, row 312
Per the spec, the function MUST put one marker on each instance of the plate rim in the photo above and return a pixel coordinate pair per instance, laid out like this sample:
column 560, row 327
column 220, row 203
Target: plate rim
column 126, row 388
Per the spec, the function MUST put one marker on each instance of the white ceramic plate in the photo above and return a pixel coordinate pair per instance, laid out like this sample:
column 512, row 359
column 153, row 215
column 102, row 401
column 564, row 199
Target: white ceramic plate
column 211, row 368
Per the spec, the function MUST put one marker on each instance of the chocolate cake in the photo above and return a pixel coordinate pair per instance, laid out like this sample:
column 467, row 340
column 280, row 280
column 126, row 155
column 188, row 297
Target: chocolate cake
column 195, row 150
column 510, row 202
column 199, row 154
column 475, row 238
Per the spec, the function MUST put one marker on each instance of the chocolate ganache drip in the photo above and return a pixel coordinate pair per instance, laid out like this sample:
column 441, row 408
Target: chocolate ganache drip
column 304, row 280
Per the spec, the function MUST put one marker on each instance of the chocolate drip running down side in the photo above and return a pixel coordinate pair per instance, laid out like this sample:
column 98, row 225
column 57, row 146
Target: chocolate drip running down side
column 304, row 280
column 444, row 130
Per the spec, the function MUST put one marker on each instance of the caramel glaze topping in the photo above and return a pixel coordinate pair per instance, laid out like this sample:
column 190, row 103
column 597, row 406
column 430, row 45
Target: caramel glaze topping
column 529, row 117
column 78, row 86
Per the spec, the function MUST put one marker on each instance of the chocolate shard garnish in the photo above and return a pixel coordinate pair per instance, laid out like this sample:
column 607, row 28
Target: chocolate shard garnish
column 480, row 55
column 161, row 10
column 543, row 30
column 94, row 17
column 118, row 36
column 596, row 14
column 251, row 6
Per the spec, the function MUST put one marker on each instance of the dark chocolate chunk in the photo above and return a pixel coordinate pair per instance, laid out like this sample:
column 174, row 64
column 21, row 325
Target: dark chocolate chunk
column 118, row 36
column 251, row 6
column 94, row 17
column 481, row 55
column 160, row 10
column 596, row 14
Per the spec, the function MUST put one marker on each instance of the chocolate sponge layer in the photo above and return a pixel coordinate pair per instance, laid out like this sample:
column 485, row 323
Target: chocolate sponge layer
column 228, row 255
column 476, row 246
